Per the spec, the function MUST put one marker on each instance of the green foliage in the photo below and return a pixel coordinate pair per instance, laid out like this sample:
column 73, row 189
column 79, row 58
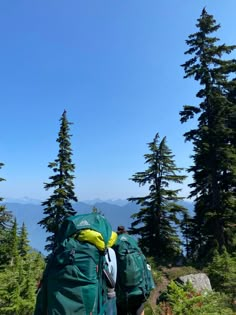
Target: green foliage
column 19, row 273
column 23, row 245
column 58, row 205
column 184, row 300
column 4, row 247
column 157, row 221
column 13, row 244
column 5, row 223
column 5, row 216
column 187, row 228
column 149, row 309
column 18, row 286
column 20, row 267
column 222, row 273
column 214, row 146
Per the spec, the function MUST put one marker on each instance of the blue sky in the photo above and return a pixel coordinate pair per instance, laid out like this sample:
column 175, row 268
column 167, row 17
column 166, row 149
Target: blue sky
column 115, row 67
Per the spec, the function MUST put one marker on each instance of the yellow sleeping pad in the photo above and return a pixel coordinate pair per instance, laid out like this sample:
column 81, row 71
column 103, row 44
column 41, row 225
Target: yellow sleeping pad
column 95, row 238
column 112, row 239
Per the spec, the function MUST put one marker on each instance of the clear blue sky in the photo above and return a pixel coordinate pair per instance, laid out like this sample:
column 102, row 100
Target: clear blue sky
column 114, row 65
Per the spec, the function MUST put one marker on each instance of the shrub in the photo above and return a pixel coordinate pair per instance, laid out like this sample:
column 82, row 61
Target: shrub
column 222, row 273
column 184, row 300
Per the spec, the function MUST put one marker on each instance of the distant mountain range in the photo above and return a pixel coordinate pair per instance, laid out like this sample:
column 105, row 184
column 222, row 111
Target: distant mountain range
column 32, row 213
column 27, row 200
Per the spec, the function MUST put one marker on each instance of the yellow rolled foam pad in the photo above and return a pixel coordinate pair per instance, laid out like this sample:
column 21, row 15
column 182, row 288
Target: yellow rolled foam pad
column 95, row 238
column 112, row 239
column 92, row 237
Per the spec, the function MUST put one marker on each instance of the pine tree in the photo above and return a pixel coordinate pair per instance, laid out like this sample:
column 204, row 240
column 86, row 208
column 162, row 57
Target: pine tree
column 187, row 228
column 10, row 291
column 38, row 264
column 28, row 284
column 5, row 222
column 214, row 153
column 160, row 211
column 19, row 275
column 5, row 216
column 222, row 272
column 17, row 290
column 13, row 244
column 23, row 245
column 58, row 206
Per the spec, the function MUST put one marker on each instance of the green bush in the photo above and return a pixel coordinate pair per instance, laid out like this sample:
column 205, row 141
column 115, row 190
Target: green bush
column 18, row 285
column 184, row 300
column 222, row 273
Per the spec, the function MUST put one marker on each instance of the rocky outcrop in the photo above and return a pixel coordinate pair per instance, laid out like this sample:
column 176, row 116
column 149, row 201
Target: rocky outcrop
column 200, row 281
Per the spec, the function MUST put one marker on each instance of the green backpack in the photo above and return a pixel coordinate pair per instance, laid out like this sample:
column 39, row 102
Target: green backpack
column 134, row 277
column 74, row 281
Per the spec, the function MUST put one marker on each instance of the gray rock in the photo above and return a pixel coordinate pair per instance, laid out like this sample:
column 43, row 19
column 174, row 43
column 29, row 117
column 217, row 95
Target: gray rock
column 200, row 281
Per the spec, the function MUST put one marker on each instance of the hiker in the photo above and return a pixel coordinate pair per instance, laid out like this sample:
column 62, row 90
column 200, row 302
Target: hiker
column 121, row 230
column 134, row 278
column 136, row 306
column 80, row 275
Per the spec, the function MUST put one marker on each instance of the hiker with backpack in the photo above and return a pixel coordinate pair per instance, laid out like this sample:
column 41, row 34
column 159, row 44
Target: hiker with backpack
column 80, row 274
column 134, row 279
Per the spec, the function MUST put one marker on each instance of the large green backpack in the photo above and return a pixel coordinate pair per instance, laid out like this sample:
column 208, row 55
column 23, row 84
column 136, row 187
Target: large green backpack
column 73, row 282
column 134, row 277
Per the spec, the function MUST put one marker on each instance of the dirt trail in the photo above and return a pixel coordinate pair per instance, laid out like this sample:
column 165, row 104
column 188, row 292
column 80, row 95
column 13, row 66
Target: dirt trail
column 163, row 282
column 161, row 287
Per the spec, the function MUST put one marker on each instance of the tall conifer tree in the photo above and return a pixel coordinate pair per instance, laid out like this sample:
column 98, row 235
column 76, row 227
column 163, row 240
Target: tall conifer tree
column 158, row 218
column 13, row 244
column 214, row 157
column 23, row 245
column 5, row 216
column 59, row 205
column 5, row 224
